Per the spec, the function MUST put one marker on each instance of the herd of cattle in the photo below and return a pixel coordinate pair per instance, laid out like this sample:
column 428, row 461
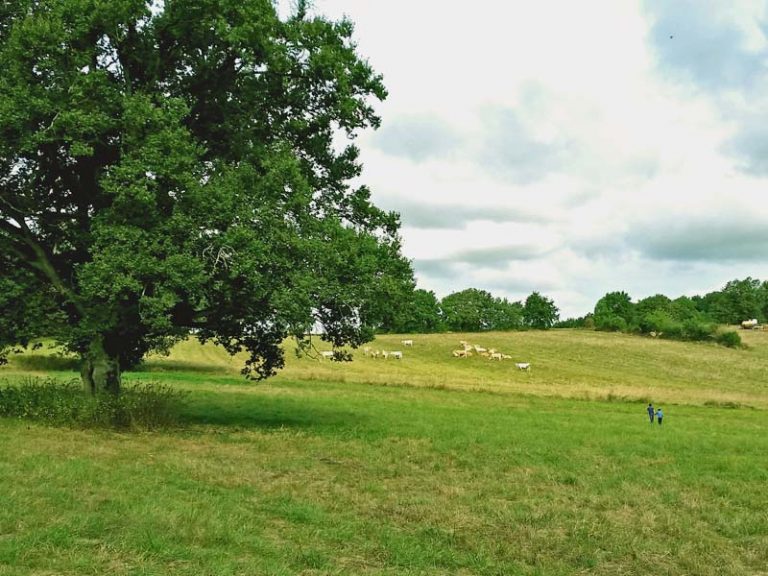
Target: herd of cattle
column 465, row 351
column 468, row 350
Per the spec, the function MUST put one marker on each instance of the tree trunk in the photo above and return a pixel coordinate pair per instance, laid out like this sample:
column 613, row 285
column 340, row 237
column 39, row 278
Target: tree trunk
column 100, row 371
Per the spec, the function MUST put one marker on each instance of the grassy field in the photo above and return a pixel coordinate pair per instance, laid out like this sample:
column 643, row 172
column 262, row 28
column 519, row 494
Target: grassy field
column 429, row 465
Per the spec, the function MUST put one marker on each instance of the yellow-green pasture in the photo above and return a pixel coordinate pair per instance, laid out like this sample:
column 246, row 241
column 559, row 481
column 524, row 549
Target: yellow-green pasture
column 426, row 465
column 565, row 363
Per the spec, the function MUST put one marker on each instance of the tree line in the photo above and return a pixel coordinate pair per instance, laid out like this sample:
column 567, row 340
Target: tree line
column 469, row 310
column 684, row 318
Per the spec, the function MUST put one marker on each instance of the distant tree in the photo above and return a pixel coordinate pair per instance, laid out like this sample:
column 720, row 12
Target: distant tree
column 652, row 312
column 540, row 312
column 651, row 304
column 577, row 322
column 419, row 312
column 469, row 310
column 507, row 315
column 739, row 300
column 684, row 308
column 474, row 310
column 742, row 300
column 764, row 300
column 614, row 312
column 712, row 305
column 174, row 166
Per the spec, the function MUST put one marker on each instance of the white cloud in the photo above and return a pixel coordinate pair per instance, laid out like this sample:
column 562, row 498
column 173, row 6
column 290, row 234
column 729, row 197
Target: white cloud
column 576, row 138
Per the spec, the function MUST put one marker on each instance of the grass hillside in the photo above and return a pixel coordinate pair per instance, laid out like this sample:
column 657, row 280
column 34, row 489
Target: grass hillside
column 427, row 466
column 564, row 363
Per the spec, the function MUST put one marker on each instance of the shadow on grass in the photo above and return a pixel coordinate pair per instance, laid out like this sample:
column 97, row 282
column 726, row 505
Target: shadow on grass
column 178, row 366
column 61, row 363
column 53, row 363
column 247, row 411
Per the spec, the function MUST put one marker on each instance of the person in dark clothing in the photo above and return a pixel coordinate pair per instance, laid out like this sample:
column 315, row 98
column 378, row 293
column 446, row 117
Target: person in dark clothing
column 651, row 412
column 659, row 416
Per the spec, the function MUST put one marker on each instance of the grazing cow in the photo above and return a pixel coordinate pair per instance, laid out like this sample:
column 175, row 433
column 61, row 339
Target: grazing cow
column 406, row 342
column 506, row 357
column 480, row 349
column 396, row 354
column 326, row 354
column 495, row 356
column 459, row 353
column 523, row 365
column 749, row 324
column 366, row 351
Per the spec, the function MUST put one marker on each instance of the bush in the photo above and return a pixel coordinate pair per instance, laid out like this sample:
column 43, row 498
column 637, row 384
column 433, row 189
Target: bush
column 729, row 339
column 139, row 407
column 659, row 321
column 698, row 331
column 611, row 324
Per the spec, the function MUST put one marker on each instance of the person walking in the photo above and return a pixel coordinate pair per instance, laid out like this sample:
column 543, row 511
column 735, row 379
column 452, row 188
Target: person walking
column 651, row 412
column 659, row 416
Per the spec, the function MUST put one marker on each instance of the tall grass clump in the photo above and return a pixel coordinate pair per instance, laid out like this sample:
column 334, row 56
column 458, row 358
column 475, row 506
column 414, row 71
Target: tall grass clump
column 143, row 406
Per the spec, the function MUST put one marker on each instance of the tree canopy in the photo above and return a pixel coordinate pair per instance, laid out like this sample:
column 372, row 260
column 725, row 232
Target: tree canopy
column 175, row 166
column 474, row 310
column 614, row 312
column 540, row 311
column 418, row 312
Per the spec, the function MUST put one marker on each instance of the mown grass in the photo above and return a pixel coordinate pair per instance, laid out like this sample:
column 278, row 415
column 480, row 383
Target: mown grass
column 467, row 470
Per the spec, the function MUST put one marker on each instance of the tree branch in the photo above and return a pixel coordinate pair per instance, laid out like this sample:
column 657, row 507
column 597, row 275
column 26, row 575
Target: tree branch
column 41, row 261
column 13, row 208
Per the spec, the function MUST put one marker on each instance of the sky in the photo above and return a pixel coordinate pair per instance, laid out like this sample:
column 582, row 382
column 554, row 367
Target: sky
column 570, row 148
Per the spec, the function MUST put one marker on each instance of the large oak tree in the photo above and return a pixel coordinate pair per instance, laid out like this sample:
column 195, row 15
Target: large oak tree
column 177, row 166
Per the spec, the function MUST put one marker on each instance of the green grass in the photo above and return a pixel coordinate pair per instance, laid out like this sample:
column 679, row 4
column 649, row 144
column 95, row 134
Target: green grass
column 432, row 465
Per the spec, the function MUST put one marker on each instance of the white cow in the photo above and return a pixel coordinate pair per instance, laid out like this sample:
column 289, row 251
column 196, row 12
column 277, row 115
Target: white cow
column 396, row 354
column 523, row 365
column 406, row 342
column 326, row 354
column 749, row 324
column 495, row 356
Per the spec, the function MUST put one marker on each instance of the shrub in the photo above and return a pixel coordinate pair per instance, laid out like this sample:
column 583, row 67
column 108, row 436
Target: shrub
column 729, row 339
column 139, row 407
column 697, row 331
column 611, row 324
